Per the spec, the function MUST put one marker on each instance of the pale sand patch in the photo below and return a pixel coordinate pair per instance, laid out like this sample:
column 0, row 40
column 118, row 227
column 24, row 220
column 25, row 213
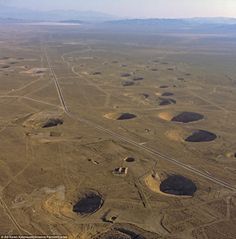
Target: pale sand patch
column 167, row 116
column 112, row 116
column 231, row 155
column 175, row 135
column 158, row 94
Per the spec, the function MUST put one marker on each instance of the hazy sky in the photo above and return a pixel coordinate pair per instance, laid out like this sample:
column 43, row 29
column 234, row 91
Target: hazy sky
column 138, row 8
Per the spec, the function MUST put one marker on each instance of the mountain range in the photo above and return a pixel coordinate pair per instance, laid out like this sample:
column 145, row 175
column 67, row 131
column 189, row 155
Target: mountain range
column 13, row 14
column 20, row 14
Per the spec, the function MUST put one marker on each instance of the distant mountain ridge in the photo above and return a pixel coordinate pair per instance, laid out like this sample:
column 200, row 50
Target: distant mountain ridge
column 196, row 25
column 13, row 14
column 177, row 21
column 20, row 14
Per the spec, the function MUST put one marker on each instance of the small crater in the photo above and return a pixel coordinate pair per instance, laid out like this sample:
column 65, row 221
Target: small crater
column 145, row 95
column 96, row 73
column 120, row 116
column 125, row 75
column 164, row 86
column 166, row 101
column 154, row 69
column 178, row 185
column 167, row 94
column 127, row 83
column 53, row 122
column 89, row 203
column 201, row 136
column 126, row 116
column 43, row 119
column 39, row 72
column 5, row 67
column 35, row 71
column 129, row 159
column 138, row 78
column 5, row 58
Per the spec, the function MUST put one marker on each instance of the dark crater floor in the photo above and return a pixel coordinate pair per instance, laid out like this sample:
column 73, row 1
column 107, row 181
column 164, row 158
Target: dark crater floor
column 126, row 116
column 125, row 75
column 166, row 101
column 5, row 67
column 164, row 86
column 167, row 94
column 96, row 73
column 52, row 123
column 187, row 117
column 145, row 95
column 178, row 185
column 127, row 83
column 138, row 78
column 129, row 159
column 201, row 136
column 89, row 203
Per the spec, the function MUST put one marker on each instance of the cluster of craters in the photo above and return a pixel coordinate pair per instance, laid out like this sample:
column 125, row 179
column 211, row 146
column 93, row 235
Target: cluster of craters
column 187, row 135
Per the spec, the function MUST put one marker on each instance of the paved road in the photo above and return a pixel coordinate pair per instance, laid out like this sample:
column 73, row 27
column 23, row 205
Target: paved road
column 131, row 142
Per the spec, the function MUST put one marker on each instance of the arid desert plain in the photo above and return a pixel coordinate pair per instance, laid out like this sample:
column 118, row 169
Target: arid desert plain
column 111, row 134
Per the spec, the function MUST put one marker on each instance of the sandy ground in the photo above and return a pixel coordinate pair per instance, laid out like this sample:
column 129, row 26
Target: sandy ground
column 44, row 171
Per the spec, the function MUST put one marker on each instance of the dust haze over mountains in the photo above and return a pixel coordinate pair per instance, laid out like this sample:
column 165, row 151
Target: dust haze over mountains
column 15, row 14
column 8, row 12
column 95, row 10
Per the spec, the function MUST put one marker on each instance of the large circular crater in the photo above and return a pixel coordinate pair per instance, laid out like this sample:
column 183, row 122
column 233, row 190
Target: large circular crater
column 183, row 117
column 178, row 185
column 201, row 136
column 187, row 117
column 88, row 203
